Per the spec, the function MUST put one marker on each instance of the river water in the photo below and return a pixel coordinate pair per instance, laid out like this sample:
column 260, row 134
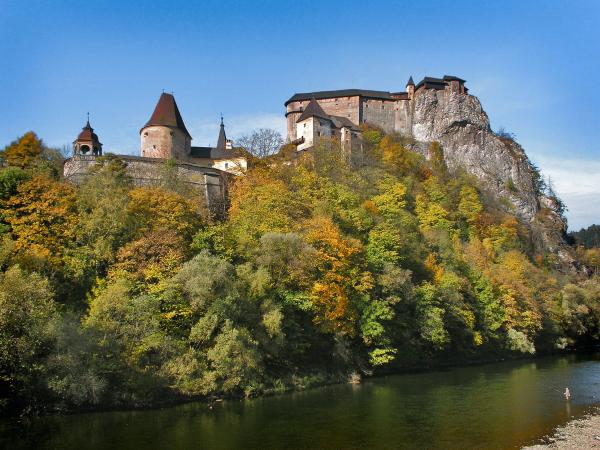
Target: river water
column 492, row 406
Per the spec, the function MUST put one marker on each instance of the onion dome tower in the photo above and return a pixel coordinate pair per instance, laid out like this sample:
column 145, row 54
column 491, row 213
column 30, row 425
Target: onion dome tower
column 165, row 135
column 87, row 143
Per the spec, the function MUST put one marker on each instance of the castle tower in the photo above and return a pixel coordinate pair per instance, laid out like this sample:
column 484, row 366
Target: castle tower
column 410, row 88
column 165, row 135
column 87, row 143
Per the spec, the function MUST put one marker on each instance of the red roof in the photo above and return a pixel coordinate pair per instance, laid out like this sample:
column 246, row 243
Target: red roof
column 167, row 114
column 87, row 133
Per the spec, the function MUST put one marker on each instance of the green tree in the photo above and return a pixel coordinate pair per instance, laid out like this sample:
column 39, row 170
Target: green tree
column 27, row 316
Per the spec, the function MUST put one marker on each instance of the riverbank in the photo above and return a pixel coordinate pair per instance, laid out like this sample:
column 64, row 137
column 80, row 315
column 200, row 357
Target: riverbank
column 581, row 433
column 500, row 405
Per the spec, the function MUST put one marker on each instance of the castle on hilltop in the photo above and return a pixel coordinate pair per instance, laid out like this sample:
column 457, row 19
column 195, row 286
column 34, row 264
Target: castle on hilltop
column 311, row 116
column 163, row 138
column 340, row 114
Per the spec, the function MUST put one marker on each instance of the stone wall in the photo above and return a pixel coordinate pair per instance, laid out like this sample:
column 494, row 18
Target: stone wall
column 380, row 113
column 211, row 183
column 159, row 141
column 403, row 117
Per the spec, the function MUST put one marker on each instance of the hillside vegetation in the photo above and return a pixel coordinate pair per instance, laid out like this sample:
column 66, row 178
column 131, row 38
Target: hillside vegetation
column 328, row 268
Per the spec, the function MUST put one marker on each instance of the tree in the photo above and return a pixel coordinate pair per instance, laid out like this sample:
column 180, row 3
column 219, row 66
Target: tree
column 29, row 152
column 10, row 178
column 23, row 151
column 588, row 237
column 261, row 203
column 27, row 315
column 340, row 279
column 42, row 216
column 287, row 257
column 155, row 208
column 105, row 223
column 261, row 143
column 157, row 254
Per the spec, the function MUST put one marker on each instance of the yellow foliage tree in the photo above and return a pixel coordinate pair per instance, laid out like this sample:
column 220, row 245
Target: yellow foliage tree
column 155, row 208
column 341, row 276
column 260, row 204
column 23, row 151
column 470, row 206
column 42, row 216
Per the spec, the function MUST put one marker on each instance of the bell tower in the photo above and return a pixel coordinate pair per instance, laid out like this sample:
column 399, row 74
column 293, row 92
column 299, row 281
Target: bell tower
column 87, row 143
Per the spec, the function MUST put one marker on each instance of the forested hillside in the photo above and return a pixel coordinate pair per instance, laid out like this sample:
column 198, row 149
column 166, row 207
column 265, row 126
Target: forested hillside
column 327, row 268
column 587, row 237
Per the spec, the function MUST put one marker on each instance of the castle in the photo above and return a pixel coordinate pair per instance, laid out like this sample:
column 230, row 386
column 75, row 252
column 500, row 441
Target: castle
column 310, row 116
column 165, row 137
column 340, row 114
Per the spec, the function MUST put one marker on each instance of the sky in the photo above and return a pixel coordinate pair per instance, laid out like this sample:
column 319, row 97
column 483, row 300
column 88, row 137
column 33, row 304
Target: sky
column 535, row 66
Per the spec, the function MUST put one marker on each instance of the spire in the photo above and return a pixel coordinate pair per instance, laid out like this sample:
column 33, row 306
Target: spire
column 410, row 82
column 166, row 113
column 87, row 125
column 222, row 141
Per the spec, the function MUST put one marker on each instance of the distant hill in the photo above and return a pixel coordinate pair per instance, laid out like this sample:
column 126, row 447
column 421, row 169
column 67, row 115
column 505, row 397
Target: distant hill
column 587, row 237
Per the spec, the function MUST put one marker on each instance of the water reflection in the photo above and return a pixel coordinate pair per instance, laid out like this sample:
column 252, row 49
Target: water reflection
column 493, row 406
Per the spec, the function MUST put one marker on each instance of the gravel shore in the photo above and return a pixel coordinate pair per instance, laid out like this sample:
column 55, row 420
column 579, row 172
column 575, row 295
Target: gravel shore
column 582, row 433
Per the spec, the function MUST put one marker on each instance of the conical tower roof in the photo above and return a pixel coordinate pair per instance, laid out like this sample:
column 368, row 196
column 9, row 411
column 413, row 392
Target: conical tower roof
column 410, row 82
column 222, row 141
column 167, row 114
column 313, row 109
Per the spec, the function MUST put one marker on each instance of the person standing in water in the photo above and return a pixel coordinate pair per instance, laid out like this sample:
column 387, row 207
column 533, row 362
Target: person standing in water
column 567, row 393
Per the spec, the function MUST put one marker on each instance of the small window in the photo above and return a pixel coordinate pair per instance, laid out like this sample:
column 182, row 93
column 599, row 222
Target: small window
column 226, row 165
column 318, row 133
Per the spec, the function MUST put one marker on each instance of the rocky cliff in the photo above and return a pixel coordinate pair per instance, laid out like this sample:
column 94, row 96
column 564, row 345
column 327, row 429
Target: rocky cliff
column 461, row 126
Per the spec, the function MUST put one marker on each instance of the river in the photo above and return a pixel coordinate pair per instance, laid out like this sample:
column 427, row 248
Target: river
column 493, row 406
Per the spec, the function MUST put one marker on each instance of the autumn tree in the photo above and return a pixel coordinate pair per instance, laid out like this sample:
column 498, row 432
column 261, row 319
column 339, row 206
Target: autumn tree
column 154, row 208
column 23, row 151
column 42, row 216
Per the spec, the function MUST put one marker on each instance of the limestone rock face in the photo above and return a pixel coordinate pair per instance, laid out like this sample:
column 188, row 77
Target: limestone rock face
column 461, row 126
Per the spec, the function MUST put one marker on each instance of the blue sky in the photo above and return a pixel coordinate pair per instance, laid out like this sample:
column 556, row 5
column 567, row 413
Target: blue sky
column 534, row 65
